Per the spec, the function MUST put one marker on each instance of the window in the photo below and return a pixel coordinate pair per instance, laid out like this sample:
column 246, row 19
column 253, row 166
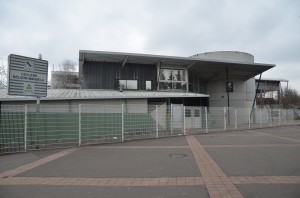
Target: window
column 148, row 85
column 197, row 113
column 188, row 113
column 127, row 84
column 172, row 79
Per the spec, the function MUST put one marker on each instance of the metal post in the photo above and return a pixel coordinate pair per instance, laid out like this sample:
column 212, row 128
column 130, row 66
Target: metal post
column 79, row 124
column 260, row 118
column 250, row 119
column 200, row 116
column 293, row 117
column 285, row 116
column 171, row 121
column 184, row 120
column 267, row 117
column 38, row 100
column 122, row 122
column 206, row 120
column 227, row 79
column 271, row 118
column 156, row 120
column 225, row 119
column 235, row 115
column 256, row 93
column 25, row 128
column 279, row 116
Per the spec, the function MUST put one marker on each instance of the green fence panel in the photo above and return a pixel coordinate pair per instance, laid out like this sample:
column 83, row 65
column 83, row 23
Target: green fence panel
column 47, row 128
column 11, row 132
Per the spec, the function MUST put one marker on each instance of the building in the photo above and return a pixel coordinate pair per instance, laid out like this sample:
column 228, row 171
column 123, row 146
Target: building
column 268, row 91
column 141, row 90
column 214, row 79
column 218, row 79
column 64, row 80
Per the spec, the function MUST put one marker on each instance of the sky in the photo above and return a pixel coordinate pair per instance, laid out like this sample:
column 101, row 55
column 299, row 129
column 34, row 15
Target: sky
column 58, row 29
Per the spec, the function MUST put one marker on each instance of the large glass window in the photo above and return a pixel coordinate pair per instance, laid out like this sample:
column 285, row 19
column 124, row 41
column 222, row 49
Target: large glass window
column 128, row 84
column 172, row 79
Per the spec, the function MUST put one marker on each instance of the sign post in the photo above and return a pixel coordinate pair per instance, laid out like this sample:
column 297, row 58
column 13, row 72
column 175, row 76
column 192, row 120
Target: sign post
column 27, row 76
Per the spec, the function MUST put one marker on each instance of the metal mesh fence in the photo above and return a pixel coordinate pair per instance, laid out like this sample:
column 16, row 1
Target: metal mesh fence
column 100, row 124
column 49, row 126
column 12, row 120
column 33, row 127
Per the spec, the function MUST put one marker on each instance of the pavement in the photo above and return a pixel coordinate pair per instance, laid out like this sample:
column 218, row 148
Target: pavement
column 255, row 163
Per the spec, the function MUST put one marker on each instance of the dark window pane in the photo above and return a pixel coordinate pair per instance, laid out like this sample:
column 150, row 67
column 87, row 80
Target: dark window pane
column 188, row 113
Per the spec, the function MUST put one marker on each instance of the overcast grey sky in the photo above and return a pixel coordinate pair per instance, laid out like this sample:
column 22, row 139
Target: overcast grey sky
column 269, row 30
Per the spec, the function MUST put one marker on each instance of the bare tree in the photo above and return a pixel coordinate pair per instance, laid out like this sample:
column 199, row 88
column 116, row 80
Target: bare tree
column 290, row 98
column 68, row 66
column 3, row 75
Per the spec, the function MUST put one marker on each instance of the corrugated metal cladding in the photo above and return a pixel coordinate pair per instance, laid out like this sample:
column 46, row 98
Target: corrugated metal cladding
column 102, row 75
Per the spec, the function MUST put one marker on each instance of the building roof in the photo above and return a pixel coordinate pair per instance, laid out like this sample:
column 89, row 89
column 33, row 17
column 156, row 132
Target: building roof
column 207, row 69
column 86, row 94
column 272, row 79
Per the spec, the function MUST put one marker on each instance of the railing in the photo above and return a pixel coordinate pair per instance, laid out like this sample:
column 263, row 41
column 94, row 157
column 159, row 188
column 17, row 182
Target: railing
column 33, row 127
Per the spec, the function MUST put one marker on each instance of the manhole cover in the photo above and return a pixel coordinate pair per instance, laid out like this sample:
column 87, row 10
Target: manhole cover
column 177, row 155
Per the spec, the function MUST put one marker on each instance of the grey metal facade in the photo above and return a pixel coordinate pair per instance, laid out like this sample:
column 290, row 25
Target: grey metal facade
column 103, row 75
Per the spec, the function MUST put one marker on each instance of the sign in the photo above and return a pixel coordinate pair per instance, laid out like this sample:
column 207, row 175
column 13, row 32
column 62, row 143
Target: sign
column 229, row 86
column 27, row 76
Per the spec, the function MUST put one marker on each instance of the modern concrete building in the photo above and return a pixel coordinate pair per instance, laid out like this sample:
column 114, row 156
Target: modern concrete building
column 226, row 77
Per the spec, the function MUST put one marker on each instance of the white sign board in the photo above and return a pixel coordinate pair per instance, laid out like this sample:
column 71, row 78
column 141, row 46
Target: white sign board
column 27, row 76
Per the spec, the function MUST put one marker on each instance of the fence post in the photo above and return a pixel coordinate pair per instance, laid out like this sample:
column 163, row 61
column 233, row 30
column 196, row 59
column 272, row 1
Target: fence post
column 25, row 128
column 249, row 119
column 184, row 133
column 285, row 116
column 271, row 118
column 171, row 121
column 293, row 116
column 206, row 125
column 122, row 122
column 260, row 118
column 225, row 119
column 267, row 117
column 235, row 122
column 200, row 116
column 156, row 120
column 279, row 117
column 79, row 125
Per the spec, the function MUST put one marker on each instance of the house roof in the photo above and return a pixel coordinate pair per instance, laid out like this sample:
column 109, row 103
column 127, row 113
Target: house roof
column 86, row 94
column 207, row 69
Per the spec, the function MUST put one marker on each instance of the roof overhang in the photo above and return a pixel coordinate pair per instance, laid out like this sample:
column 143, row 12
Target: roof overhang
column 272, row 79
column 207, row 69
column 94, row 94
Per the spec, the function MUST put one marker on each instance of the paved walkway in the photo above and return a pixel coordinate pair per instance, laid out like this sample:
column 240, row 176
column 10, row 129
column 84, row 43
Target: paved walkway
column 256, row 163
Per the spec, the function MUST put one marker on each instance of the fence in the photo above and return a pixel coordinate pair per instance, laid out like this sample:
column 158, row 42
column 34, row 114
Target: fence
column 33, row 127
